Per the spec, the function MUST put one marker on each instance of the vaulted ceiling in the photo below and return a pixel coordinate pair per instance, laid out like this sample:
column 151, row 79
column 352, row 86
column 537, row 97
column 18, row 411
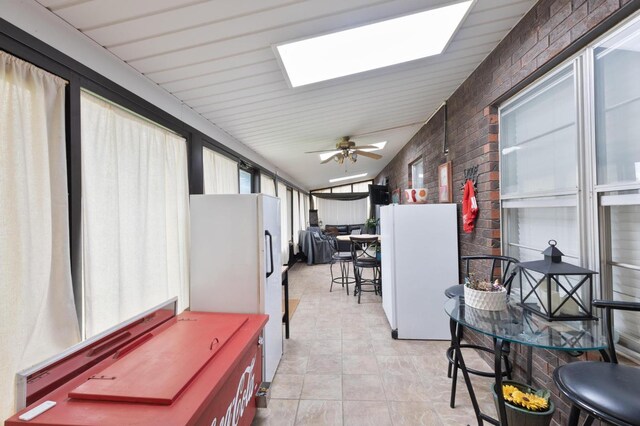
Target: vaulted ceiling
column 217, row 57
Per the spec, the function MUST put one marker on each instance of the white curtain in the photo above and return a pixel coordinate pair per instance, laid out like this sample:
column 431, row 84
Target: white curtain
column 338, row 212
column 267, row 185
column 220, row 173
column 305, row 208
column 284, row 237
column 296, row 220
column 37, row 312
column 364, row 187
column 135, row 215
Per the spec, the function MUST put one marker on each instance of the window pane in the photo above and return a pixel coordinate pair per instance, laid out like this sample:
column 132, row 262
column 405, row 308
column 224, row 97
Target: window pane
column 626, row 283
column 542, row 122
column 624, row 262
column 340, row 189
column 362, row 186
column 531, row 229
column 245, row 182
column 617, row 84
column 625, row 234
column 417, row 174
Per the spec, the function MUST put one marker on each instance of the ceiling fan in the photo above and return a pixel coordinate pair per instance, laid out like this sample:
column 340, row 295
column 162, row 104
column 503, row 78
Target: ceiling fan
column 348, row 149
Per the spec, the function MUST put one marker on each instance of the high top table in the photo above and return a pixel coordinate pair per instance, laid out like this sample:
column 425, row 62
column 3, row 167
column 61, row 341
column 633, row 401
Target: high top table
column 524, row 328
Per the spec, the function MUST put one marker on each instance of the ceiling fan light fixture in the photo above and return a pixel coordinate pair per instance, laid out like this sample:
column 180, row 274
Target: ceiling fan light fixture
column 353, row 156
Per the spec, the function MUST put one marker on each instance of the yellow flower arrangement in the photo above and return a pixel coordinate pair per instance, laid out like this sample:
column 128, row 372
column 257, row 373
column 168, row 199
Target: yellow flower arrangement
column 530, row 401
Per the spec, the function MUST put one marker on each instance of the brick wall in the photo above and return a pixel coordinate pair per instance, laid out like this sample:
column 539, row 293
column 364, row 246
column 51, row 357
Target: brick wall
column 549, row 28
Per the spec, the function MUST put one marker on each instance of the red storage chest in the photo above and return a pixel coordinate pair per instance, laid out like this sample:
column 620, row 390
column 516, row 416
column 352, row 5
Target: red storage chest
column 197, row 368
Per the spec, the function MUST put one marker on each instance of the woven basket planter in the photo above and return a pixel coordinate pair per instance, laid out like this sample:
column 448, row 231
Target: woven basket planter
column 487, row 300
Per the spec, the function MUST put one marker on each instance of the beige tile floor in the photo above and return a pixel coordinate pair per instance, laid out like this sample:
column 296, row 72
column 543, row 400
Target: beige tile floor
column 341, row 366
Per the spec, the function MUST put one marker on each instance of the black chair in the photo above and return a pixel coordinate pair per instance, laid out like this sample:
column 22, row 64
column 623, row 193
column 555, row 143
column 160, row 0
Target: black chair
column 344, row 259
column 491, row 267
column 606, row 391
column 363, row 253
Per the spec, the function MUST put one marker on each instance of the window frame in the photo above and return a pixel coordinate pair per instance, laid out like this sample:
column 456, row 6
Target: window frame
column 591, row 199
column 550, row 199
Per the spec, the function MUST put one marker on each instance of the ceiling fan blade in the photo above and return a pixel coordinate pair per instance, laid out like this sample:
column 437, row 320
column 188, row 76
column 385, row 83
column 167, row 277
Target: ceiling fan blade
column 331, row 158
column 365, row 147
column 324, row 150
column 369, row 154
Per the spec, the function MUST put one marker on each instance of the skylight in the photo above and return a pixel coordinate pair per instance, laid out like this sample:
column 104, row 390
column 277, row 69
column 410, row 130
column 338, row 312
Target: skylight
column 371, row 46
column 347, row 177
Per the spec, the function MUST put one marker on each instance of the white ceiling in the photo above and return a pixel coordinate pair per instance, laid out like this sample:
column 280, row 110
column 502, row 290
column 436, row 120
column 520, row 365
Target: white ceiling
column 216, row 56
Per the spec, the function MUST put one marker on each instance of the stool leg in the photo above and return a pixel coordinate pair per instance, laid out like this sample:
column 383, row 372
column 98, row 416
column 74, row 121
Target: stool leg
column 331, row 270
column 346, row 275
column 574, row 416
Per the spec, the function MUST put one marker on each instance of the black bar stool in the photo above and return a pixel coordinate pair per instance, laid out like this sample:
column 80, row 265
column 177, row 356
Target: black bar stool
column 345, row 259
column 363, row 253
column 500, row 266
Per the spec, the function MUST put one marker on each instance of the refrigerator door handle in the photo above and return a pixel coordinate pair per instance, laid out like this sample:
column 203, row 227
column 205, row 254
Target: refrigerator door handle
column 268, row 234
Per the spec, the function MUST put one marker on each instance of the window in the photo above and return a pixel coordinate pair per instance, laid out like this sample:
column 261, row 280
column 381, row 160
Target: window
column 245, row 181
column 617, row 148
column 586, row 195
column 220, row 173
column 539, row 190
column 135, row 213
column 416, row 169
column 37, row 313
column 340, row 212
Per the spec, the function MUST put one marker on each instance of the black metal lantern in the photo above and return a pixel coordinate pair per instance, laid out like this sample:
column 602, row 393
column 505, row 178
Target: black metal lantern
column 556, row 290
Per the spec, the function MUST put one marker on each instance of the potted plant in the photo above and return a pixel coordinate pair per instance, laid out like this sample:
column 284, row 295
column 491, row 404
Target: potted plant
column 481, row 294
column 525, row 406
column 370, row 225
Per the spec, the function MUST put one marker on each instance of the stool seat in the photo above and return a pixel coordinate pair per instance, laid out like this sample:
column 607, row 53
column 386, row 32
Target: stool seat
column 612, row 390
column 342, row 255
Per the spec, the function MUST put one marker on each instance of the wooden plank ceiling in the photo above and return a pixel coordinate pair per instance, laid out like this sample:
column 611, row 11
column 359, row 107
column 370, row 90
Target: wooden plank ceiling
column 216, row 56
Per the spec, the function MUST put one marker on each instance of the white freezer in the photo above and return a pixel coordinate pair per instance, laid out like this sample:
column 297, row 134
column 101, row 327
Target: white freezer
column 419, row 261
column 236, row 262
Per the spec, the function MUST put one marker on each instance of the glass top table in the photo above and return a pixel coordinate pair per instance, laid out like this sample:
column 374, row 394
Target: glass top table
column 519, row 326
column 515, row 325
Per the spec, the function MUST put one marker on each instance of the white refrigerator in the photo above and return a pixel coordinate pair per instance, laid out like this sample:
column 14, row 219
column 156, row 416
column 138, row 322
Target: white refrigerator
column 235, row 262
column 419, row 261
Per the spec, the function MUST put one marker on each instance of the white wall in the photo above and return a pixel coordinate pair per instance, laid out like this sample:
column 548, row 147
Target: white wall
column 35, row 19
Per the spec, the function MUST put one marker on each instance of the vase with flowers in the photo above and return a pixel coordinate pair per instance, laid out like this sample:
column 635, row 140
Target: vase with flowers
column 482, row 294
column 525, row 406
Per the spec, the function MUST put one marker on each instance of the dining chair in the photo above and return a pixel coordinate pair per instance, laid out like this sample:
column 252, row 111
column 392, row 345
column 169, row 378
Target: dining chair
column 606, row 391
column 363, row 253
column 491, row 267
